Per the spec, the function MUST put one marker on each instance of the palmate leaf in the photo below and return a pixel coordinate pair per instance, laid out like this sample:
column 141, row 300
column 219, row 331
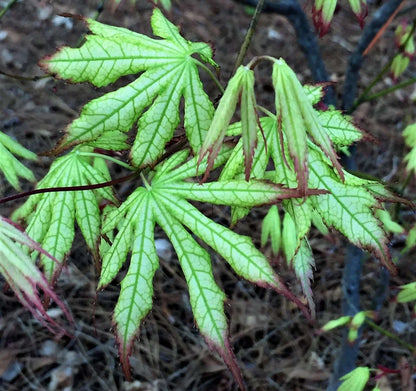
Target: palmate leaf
column 169, row 73
column 50, row 216
column 349, row 206
column 350, row 209
column 22, row 275
column 164, row 201
column 10, row 166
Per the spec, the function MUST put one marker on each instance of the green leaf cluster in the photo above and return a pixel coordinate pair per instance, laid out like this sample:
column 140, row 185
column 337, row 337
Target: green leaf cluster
column 287, row 161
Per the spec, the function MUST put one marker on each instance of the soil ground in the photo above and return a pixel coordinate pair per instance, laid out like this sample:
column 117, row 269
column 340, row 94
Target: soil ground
column 275, row 346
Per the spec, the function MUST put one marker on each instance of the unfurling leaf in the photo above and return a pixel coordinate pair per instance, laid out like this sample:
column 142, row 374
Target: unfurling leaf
column 297, row 118
column 356, row 322
column 404, row 40
column 322, row 13
column 399, row 65
column 10, row 166
column 359, row 7
column 241, row 83
column 169, row 72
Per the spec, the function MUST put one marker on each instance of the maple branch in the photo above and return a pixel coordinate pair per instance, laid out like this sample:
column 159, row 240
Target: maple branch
column 69, row 188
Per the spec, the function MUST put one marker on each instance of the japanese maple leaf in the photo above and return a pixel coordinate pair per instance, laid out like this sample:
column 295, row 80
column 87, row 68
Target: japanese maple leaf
column 50, row 215
column 169, row 72
column 164, row 201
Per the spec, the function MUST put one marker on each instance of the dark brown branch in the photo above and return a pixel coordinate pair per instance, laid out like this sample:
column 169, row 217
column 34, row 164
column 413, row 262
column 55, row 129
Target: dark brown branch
column 69, row 188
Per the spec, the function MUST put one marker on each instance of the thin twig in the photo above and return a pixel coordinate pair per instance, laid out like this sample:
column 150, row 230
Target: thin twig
column 390, row 335
column 24, row 78
column 6, row 8
column 382, row 30
column 249, row 36
column 210, row 74
column 388, row 90
column 69, row 188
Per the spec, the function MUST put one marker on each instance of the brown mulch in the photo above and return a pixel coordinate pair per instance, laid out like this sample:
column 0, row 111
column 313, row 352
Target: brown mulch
column 276, row 348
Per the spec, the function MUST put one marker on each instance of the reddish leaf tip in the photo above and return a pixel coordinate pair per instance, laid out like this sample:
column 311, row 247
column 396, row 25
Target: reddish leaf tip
column 227, row 354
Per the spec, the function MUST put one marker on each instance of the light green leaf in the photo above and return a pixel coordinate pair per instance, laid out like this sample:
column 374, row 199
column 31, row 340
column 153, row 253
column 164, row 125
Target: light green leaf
column 356, row 322
column 248, row 120
column 318, row 223
column 303, row 263
column 409, row 134
column 166, row 4
column 340, row 130
column 233, row 192
column 10, row 166
column 127, row 215
column 160, row 121
column 388, row 223
column 290, row 118
column 207, row 299
column 350, row 209
column 315, row 92
column 163, row 201
column 301, row 213
column 289, row 237
column 297, row 117
column 50, row 216
column 271, row 227
column 407, row 293
column 332, row 324
column 222, row 118
column 322, row 13
column 169, row 72
column 355, row 380
column 411, row 238
column 135, row 299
